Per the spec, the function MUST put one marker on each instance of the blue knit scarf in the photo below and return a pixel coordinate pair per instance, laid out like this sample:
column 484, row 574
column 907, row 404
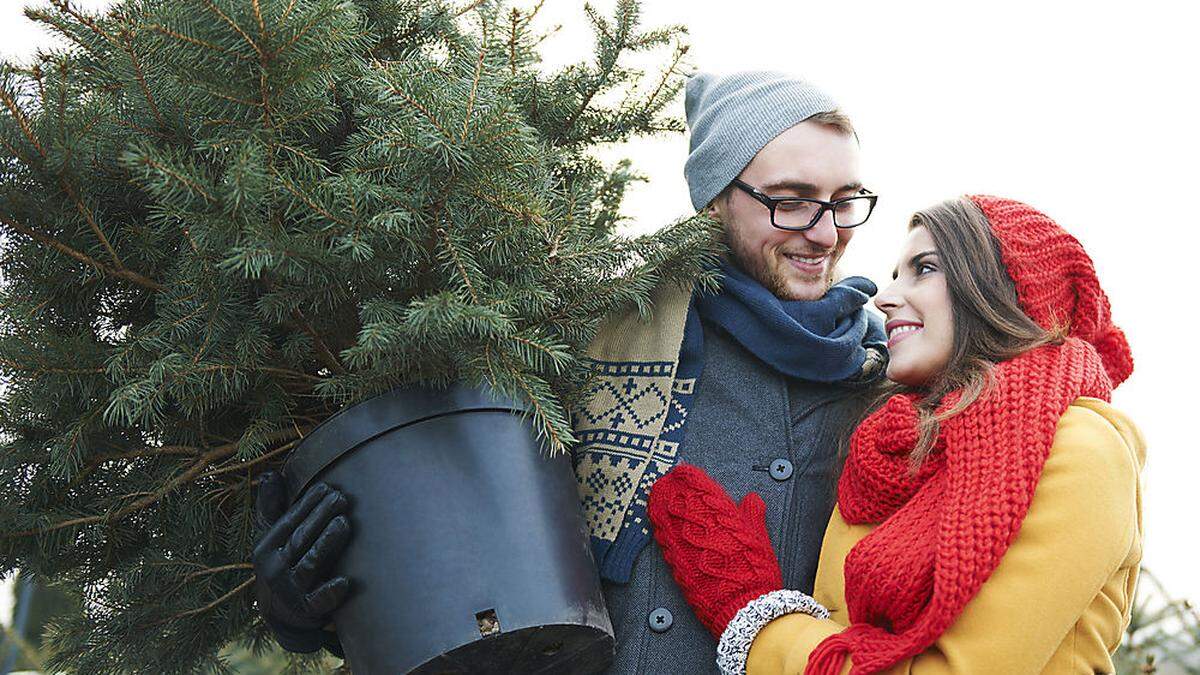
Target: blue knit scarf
column 823, row 340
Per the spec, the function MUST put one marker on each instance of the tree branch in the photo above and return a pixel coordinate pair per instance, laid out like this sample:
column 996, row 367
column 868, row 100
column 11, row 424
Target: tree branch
column 193, row 185
column 233, row 24
column 37, row 370
column 193, row 472
column 22, row 120
column 65, row 7
column 216, row 570
column 257, row 460
column 199, row 610
column 416, row 104
column 296, row 38
column 309, row 202
column 287, row 11
column 680, row 51
column 262, row 26
column 163, row 30
column 462, row 271
column 129, row 275
column 475, row 84
column 91, row 221
column 127, row 44
column 551, row 432
column 468, row 8
column 322, row 350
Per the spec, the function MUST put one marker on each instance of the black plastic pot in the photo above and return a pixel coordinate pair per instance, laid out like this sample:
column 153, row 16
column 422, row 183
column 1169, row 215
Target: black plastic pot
column 469, row 553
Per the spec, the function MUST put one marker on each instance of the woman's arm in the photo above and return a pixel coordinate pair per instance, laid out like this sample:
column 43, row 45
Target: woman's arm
column 1083, row 526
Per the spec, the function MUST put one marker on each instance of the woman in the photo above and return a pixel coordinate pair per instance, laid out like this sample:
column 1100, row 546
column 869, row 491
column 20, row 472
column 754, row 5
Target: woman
column 989, row 511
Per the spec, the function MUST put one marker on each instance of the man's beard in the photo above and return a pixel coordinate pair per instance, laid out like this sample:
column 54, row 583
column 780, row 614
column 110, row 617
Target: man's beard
column 774, row 279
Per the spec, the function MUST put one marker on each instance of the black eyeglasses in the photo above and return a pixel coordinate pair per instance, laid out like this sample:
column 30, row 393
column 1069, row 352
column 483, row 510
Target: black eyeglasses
column 797, row 214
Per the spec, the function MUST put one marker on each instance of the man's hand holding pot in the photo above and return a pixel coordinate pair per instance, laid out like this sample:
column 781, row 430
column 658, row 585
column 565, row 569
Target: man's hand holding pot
column 293, row 560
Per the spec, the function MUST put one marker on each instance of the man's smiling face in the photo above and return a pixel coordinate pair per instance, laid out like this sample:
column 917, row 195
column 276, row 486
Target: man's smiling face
column 813, row 160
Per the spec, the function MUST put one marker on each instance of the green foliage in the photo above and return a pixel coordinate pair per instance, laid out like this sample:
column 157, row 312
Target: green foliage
column 270, row 659
column 51, row 605
column 1163, row 635
column 223, row 220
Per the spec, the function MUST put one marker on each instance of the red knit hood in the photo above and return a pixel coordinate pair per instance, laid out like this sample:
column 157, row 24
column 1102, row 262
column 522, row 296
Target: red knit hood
column 1056, row 280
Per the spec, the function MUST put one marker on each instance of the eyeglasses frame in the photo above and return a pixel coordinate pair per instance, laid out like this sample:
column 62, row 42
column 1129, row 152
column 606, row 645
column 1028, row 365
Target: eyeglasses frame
column 772, row 202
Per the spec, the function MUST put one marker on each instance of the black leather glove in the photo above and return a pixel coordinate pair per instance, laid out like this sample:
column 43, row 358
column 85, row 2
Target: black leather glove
column 294, row 557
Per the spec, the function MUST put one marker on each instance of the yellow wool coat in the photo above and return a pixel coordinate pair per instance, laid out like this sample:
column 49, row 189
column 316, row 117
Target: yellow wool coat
column 1060, row 598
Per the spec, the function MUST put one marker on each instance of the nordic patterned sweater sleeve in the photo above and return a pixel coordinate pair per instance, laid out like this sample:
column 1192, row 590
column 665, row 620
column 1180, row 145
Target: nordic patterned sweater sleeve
column 1059, row 600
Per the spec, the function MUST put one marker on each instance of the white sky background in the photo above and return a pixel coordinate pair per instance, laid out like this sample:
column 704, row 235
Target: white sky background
column 1086, row 110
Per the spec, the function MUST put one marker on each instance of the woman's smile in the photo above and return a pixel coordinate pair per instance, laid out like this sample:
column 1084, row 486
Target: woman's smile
column 899, row 330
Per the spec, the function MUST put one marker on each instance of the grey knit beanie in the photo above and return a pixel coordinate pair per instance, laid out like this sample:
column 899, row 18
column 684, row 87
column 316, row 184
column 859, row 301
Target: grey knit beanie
column 732, row 117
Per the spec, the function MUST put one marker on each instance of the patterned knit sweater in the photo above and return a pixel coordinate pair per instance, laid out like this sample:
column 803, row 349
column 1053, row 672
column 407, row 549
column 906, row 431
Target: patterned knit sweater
column 631, row 425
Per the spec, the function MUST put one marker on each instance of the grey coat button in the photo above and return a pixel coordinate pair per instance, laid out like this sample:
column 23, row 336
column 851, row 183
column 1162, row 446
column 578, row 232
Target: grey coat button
column 781, row 469
column 661, row 620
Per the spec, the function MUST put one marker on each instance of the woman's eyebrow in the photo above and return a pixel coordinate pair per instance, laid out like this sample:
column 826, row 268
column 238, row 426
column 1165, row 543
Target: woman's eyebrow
column 915, row 260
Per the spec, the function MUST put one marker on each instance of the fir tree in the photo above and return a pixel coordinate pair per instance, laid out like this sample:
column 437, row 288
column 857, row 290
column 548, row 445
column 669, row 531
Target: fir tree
column 223, row 220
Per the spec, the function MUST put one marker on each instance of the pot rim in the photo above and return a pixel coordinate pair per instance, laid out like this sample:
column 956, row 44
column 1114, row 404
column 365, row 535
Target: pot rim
column 360, row 422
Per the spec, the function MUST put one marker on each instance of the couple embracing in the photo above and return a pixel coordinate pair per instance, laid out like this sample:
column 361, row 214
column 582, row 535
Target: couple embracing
column 779, row 479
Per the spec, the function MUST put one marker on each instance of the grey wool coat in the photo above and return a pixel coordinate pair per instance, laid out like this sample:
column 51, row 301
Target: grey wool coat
column 752, row 430
column 749, row 427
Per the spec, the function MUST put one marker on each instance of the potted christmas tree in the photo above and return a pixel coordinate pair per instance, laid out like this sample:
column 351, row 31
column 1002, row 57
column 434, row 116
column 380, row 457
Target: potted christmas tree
column 225, row 221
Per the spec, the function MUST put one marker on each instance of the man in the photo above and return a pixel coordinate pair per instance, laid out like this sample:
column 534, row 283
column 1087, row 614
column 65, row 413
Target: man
column 759, row 393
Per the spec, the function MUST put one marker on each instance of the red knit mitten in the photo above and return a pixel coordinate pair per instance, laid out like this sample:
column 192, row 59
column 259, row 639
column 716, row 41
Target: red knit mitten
column 718, row 551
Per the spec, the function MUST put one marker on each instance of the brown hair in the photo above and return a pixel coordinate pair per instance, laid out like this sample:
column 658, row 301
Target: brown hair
column 836, row 119
column 989, row 324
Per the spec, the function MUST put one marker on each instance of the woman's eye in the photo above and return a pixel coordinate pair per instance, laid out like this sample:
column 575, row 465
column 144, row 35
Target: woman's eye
column 926, row 267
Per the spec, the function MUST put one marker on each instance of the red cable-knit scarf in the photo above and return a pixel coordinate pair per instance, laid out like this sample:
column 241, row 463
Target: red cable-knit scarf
column 944, row 529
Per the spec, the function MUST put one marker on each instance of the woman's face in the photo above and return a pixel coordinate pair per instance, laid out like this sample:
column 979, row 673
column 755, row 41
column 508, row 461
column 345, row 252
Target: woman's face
column 920, row 323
